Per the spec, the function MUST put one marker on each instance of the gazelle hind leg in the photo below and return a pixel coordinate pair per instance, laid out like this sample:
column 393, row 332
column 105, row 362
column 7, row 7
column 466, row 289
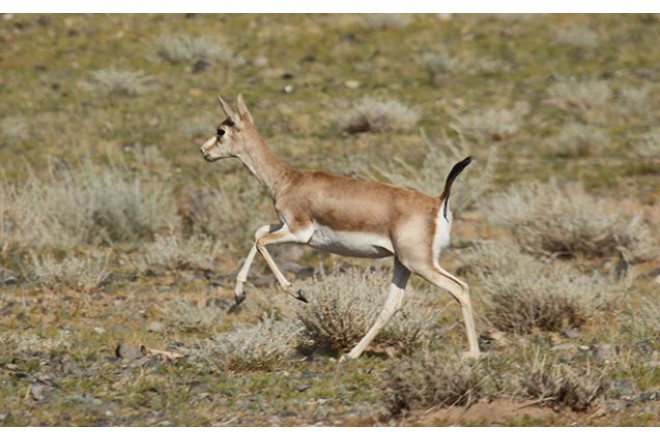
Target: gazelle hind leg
column 460, row 291
column 392, row 305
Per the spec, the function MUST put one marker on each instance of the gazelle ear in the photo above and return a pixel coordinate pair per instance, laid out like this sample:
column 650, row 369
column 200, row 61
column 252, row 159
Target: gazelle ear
column 228, row 110
column 243, row 111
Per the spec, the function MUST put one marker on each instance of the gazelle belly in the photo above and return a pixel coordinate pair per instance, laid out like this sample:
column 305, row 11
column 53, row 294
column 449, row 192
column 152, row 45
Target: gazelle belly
column 350, row 243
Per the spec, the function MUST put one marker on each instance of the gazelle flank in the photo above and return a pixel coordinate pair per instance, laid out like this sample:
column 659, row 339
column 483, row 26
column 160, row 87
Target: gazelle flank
column 345, row 216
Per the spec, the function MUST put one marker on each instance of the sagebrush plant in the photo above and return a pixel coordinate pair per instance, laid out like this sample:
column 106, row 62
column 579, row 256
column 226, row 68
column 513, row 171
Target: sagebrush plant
column 492, row 124
column 565, row 220
column 433, row 379
column 634, row 100
column 191, row 317
column 83, row 274
column 577, row 140
column 521, row 293
column 343, row 306
column 250, row 347
column 580, row 94
column 439, row 160
column 373, row 115
column 560, row 384
column 648, row 145
column 118, row 82
column 187, row 49
column 174, row 252
column 385, row 21
column 577, row 36
column 91, row 204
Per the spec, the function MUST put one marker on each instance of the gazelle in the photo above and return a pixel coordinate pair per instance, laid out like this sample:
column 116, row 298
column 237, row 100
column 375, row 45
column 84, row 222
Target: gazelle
column 345, row 216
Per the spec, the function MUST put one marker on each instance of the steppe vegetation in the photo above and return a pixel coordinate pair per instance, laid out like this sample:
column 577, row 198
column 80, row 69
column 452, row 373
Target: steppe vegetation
column 119, row 245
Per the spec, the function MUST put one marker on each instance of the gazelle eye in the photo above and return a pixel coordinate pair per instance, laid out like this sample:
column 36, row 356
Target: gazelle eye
column 220, row 133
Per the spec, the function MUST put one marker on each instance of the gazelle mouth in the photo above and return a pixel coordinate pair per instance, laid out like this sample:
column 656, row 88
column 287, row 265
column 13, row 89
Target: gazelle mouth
column 210, row 158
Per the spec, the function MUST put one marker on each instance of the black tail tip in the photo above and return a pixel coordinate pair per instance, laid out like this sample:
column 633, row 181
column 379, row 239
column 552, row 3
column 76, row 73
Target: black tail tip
column 465, row 162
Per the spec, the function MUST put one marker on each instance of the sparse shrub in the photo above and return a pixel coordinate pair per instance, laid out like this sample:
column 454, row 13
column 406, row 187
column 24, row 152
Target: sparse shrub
column 190, row 317
column 493, row 124
column 344, row 306
column 439, row 160
column 440, row 65
column 384, row 21
column 634, row 100
column 433, row 379
column 186, row 49
column 578, row 139
column 14, row 128
column 173, row 252
column 89, row 205
column 371, row 115
column 23, row 342
column 258, row 347
column 561, row 384
column 523, row 293
column 116, row 82
column 80, row 274
column 566, row 220
column 649, row 144
column 582, row 95
column 577, row 36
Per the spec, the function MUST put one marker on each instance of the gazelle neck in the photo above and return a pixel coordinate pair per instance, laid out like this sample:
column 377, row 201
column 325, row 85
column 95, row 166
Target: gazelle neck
column 269, row 170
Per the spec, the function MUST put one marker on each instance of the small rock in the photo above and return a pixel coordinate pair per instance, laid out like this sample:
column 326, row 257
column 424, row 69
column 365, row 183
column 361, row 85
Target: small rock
column 129, row 352
column 288, row 88
column 301, row 387
column 99, row 330
column 352, row 84
column 260, row 61
column 571, row 333
column 157, row 327
column 38, row 391
column 566, row 351
column 651, row 364
column 606, row 354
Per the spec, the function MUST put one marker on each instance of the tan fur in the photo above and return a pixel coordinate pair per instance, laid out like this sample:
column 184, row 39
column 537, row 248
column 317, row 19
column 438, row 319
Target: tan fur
column 317, row 207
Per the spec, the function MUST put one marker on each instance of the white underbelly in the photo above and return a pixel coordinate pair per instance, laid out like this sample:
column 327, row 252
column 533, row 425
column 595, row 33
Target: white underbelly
column 350, row 243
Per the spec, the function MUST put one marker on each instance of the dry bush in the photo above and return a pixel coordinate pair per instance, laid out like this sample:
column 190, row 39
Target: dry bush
column 190, row 317
column 522, row 293
column 561, row 384
column 576, row 140
column 371, row 115
column 577, row 37
column 634, row 100
column 89, row 205
column 116, row 82
column 648, row 145
column 79, row 274
column 258, row 347
column 492, row 124
column 343, row 306
column 172, row 252
column 549, row 218
column 439, row 160
column 24, row 342
column 14, row 128
column 428, row 380
column 186, row 49
column 384, row 21
column 441, row 65
column 582, row 95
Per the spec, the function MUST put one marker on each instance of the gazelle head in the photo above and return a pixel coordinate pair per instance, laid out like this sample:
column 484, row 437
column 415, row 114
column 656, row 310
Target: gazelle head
column 231, row 135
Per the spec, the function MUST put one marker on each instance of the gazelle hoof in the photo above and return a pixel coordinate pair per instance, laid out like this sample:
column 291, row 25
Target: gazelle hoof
column 300, row 295
column 471, row 355
column 238, row 300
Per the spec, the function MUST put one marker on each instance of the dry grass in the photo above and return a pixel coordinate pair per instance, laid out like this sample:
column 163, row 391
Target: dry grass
column 384, row 21
column 79, row 274
column 343, row 306
column 581, row 95
column 577, row 37
column 563, row 220
column 371, row 115
column 191, row 317
column 173, row 252
column 257, row 347
column 522, row 293
column 117, row 82
column 648, row 146
column 635, row 100
column 492, row 124
column 195, row 51
column 433, row 379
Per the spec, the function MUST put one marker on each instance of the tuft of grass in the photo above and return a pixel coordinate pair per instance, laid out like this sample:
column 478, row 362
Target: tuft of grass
column 523, row 293
column 343, row 306
column 384, row 21
column 189, row 317
column 172, row 252
column 577, row 37
column 492, row 124
column 117, row 82
column 371, row 115
column 634, row 100
column 437, row 163
column 565, row 220
column 79, row 274
column 579, row 140
column 246, row 348
column 581, row 95
column 433, row 379
column 186, row 49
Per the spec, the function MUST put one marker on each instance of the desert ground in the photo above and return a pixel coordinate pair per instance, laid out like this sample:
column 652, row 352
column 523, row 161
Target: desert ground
column 119, row 244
